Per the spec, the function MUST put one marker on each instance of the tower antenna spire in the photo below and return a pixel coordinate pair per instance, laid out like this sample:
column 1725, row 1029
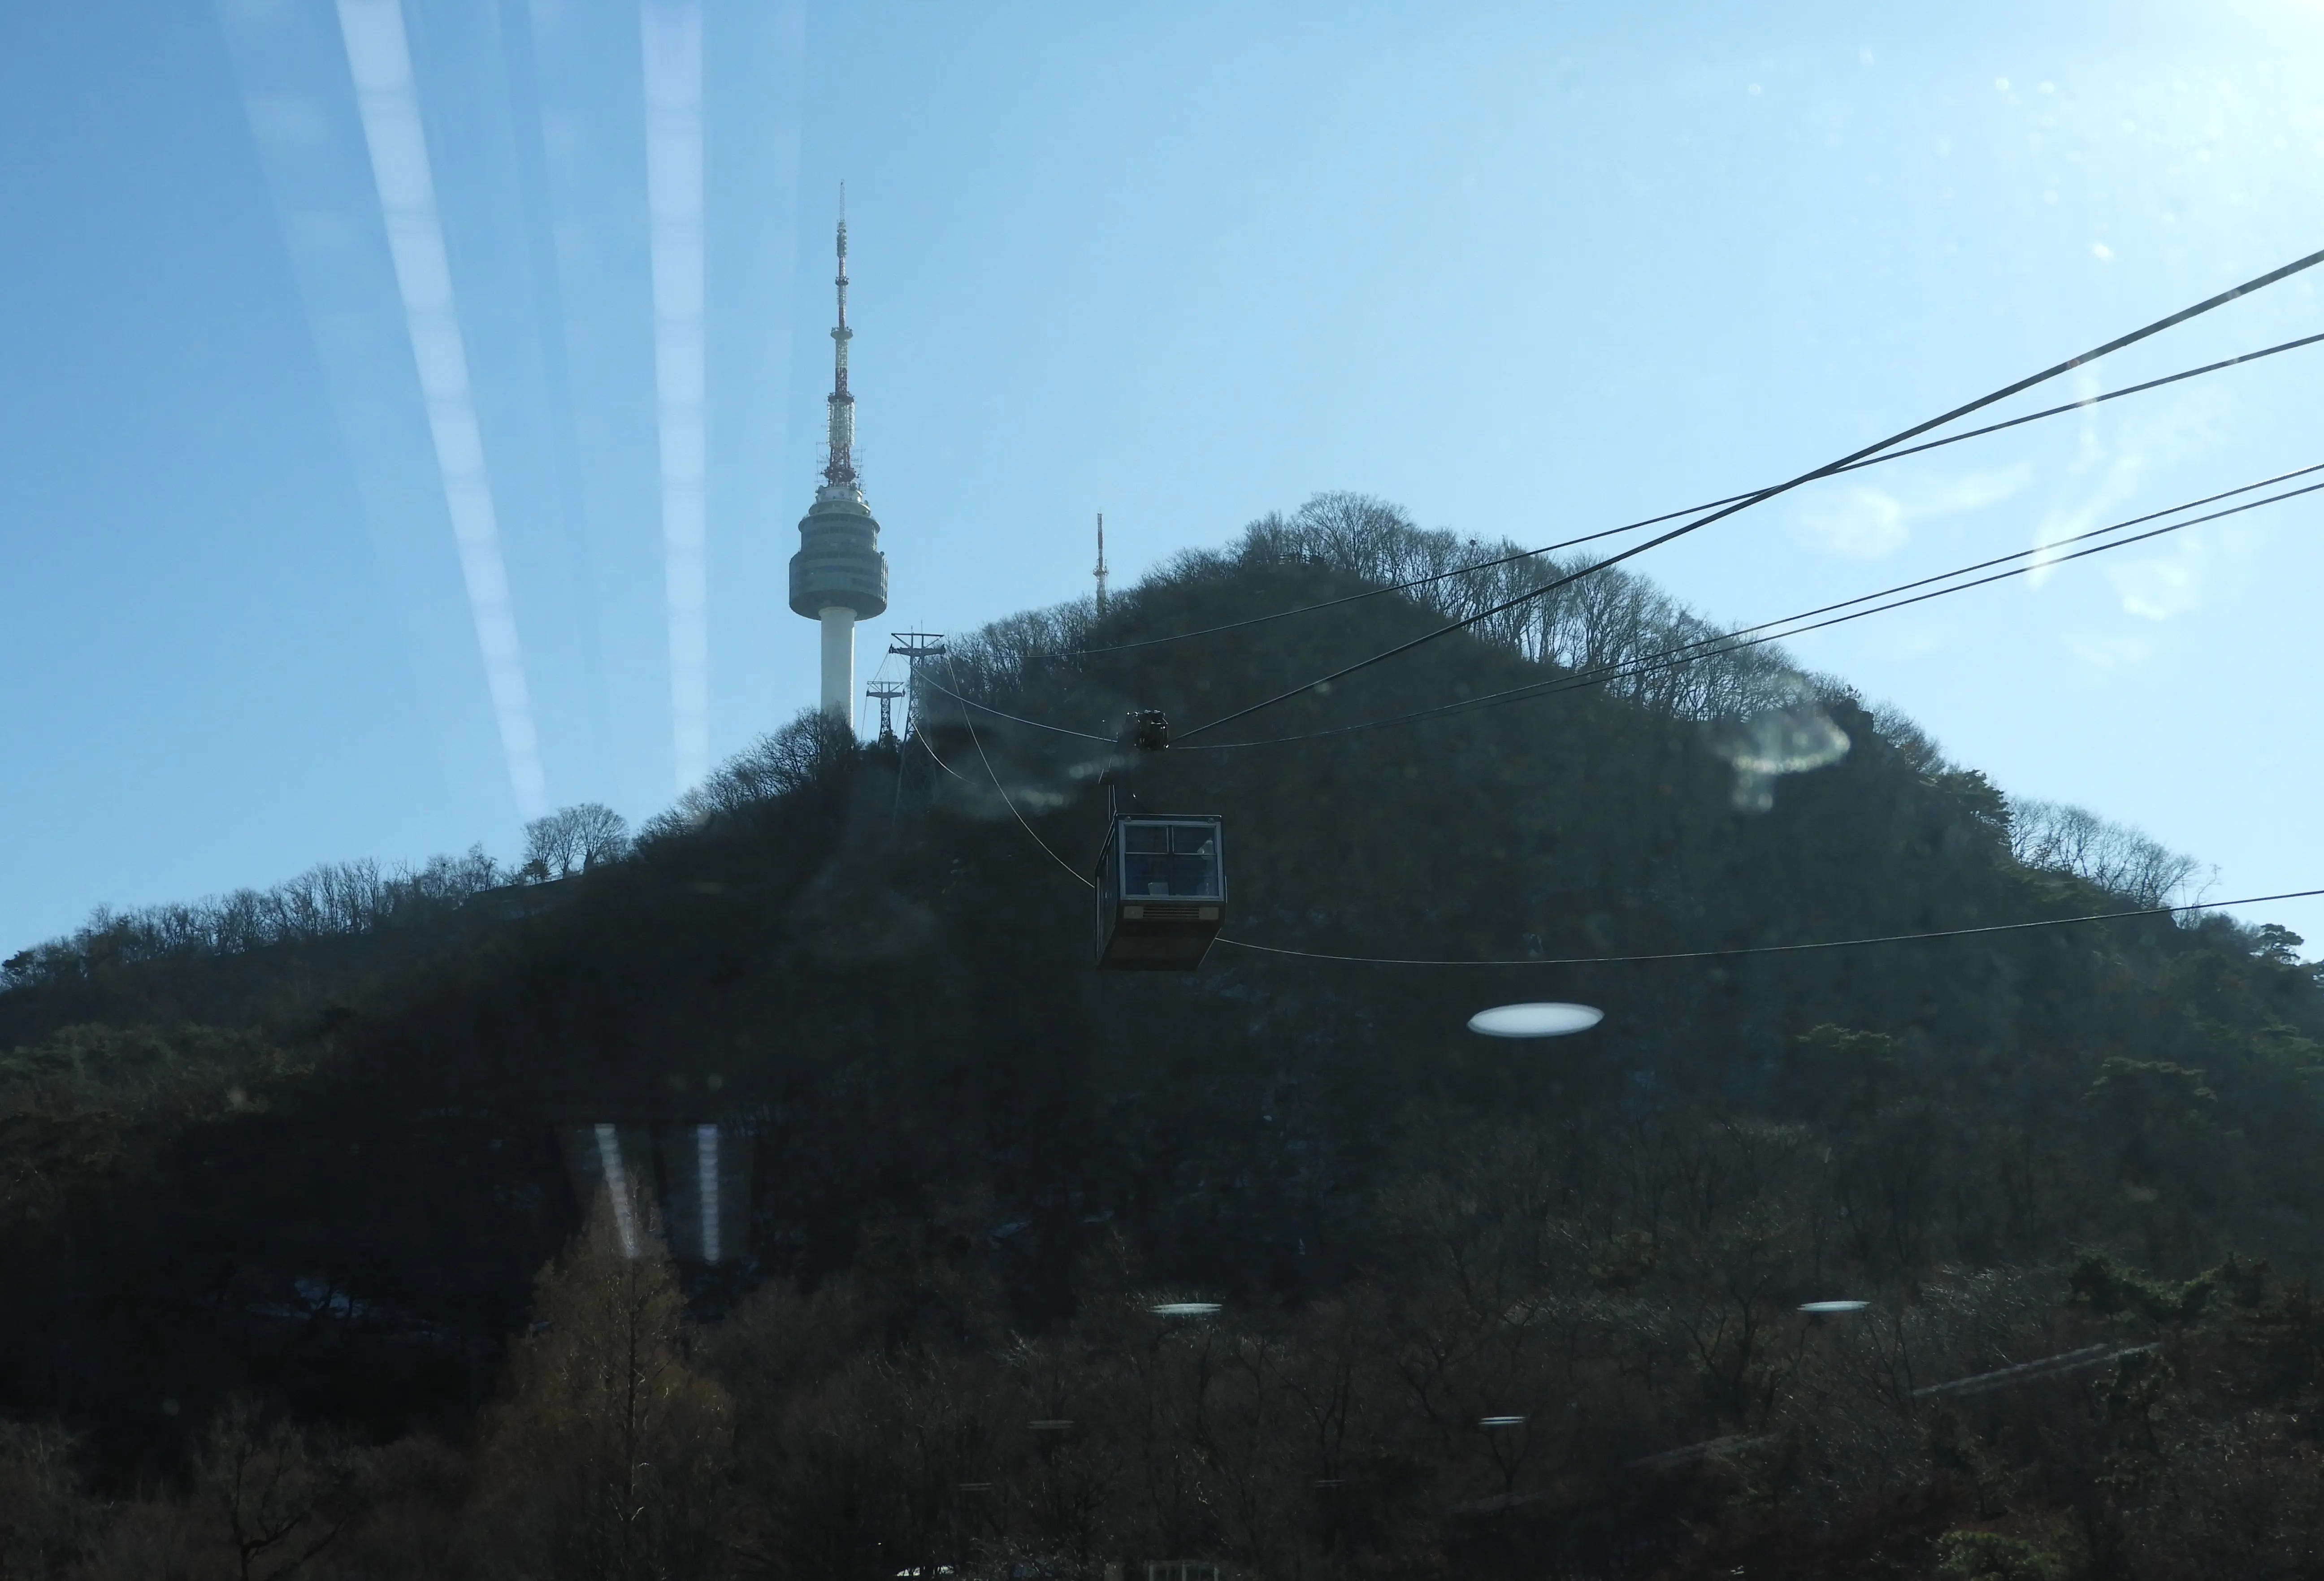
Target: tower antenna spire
column 839, row 466
column 1101, row 565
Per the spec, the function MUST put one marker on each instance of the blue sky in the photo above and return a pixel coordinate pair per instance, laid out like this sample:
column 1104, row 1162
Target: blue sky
column 325, row 539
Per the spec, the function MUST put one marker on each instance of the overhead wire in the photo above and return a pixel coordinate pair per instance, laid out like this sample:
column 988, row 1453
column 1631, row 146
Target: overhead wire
column 1010, row 802
column 922, row 737
column 1435, row 576
column 1016, row 718
column 1725, row 952
column 1737, row 950
column 1760, row 496
column 1719, row 645
column 1733, row 505
column 1744, row 949
column 2040, row 557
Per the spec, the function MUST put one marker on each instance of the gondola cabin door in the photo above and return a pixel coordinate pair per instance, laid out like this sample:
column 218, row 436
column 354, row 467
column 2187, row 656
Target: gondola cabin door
column 1161, row 891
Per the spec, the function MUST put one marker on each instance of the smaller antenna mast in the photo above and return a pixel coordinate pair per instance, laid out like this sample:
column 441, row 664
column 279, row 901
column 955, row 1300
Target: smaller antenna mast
column 1101, row 565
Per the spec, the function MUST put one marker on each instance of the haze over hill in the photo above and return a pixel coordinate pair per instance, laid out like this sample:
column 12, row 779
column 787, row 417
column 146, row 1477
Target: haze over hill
column 328, row 1147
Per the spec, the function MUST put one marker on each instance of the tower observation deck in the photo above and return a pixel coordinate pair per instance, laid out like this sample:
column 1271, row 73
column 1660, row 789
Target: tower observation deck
column 839, row 576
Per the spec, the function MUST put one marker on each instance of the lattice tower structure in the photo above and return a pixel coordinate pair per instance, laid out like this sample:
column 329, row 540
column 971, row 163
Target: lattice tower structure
column 912, row 647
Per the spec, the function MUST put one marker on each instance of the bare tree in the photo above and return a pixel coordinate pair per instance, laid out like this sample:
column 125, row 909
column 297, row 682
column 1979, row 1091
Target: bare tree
column 2113, row 856
column 281, row 1495
column 572, row 839
column 805, row 752
column 1615, row 628
column 605, row 835
column 335, row 898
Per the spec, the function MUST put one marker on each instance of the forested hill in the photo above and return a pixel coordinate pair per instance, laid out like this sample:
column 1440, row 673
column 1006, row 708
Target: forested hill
column 318, row 1152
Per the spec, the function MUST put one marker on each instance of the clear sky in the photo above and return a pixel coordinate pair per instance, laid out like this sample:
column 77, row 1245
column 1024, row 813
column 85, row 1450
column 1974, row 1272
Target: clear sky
column 406, row 408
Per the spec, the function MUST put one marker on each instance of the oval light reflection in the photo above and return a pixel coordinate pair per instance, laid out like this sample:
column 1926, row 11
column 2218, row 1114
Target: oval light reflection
column 1536, row 1020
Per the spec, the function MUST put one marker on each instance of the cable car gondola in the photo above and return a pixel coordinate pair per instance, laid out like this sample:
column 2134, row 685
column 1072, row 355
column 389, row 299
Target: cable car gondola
column 1161, row 891
column 1161, row 879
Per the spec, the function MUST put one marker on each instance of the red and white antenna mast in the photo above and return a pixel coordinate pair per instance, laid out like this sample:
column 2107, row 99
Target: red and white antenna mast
column 839, row 466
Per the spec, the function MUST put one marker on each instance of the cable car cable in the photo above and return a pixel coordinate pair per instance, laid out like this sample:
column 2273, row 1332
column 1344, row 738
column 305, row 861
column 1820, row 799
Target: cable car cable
column 1708, row 647
column 1435, row 576
column 1079, row 876
column 1717, row 646
column 2100, row 916
column 1020, row 719
column 1743, row 637
column 1827, row 470
column 1646, row 958
column 939, row 762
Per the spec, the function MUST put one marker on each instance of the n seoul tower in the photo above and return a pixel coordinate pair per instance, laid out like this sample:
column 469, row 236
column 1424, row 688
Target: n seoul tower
column 839, row 576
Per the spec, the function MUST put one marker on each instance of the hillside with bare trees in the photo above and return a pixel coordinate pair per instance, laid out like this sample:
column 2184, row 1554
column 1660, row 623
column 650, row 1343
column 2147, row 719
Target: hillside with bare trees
column 777, row 1191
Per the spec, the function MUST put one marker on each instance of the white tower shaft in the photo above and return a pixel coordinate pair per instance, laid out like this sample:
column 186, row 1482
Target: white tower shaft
column 838, row 662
